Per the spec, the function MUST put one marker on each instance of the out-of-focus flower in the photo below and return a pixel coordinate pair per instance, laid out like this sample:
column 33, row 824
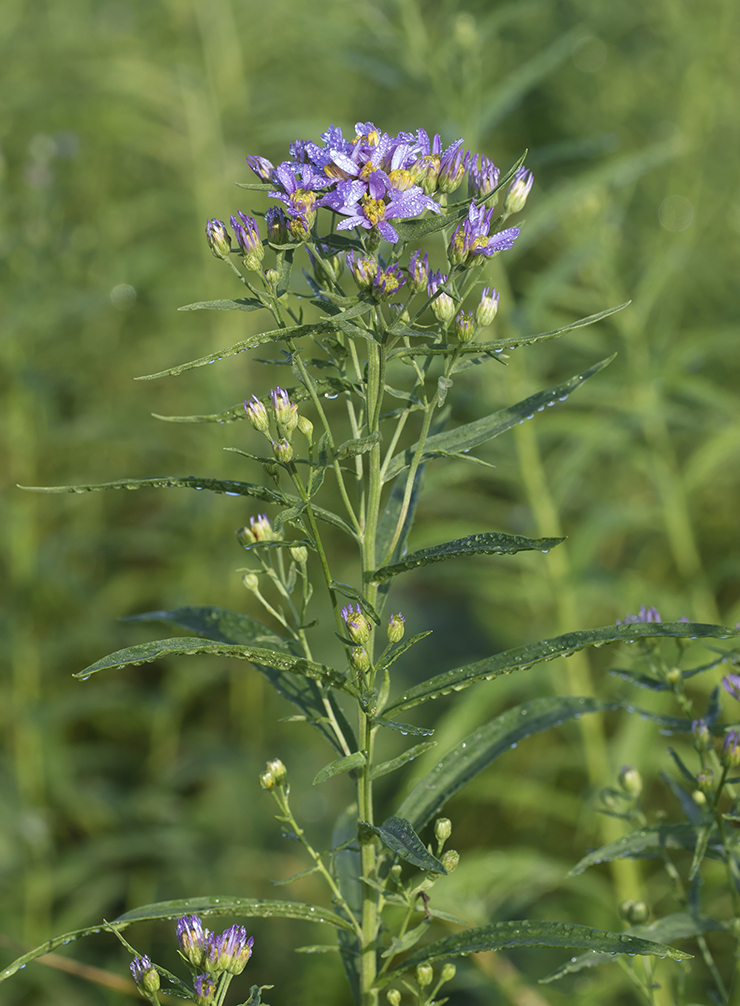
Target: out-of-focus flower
column 205, row 990
column 731, row 749
column 644, row 615
column 731, row 684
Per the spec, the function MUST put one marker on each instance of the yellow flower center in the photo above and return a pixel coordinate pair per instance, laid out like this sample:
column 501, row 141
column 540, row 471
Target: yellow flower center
column 401, row 179
column 374, row 209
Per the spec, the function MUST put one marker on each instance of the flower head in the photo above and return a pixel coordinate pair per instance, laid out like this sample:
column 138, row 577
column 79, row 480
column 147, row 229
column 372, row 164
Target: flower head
column 471, row 239
column 284, row 411
column 261, row 166
column 452, row 167
column 644, row 615
column 363, row 269
column 387, row 282
column 516, row 197
column 483, row 176
column 465, row 326
column 257, row 414
column 731, row 749
column 396, row 628
column 486, row 311
column 248, row 236
column 277, row 226
column 192, row 938
column 358, row 627
column 230, row 951
column 443, row 305
column 145, row 975
column 205, row 989
column 218, row 238
column 419, row 271
column 731, row 684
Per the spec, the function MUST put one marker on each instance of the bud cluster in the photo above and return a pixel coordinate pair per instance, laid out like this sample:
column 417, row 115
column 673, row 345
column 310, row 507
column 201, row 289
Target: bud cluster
column 286, row 419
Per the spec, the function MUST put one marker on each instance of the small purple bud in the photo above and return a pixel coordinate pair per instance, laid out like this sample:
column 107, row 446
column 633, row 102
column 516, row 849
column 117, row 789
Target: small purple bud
column 483, row 176
column 419, row 271
column 145, row 975
column 731, row 749
column 277, row 226
column 731, row 684
column 358, row 627
column 363, row 270
column 205, row 990
column 396, row 628
column 257, row 414
column 248, row 237
column 488, row 307
column 516, row 197
column 192, row 938
column 230, row 951
column 443, row 305
column 284, row 411
column 218, row 238
column 261, row 167
column 700, row 735
column 465, row 326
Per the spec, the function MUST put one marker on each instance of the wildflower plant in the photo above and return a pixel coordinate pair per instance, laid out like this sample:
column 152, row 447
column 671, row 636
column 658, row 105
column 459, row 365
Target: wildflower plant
column 388, row 326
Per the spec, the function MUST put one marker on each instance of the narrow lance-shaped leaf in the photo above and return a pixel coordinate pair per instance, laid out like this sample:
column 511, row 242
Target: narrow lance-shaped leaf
column 476, row 751
column 234, row 627
column 489, row 543
column 228, row 487
column 471, row 435
column 678, row 926
column 522, row 657
column 241, row 304
column 204, row 906
column 144, row 653
column 647, row 842
column 499, row 345
column 354, row 760
column 275, row 335
column 499, row 935
column 403, row 759
column 399, row 836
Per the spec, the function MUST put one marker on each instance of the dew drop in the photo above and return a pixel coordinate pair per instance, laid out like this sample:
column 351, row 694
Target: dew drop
column 331, row 395
column 563, row 399
column 541, row 408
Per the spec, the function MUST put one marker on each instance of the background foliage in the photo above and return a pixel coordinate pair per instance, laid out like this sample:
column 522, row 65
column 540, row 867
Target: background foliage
column 123, row 124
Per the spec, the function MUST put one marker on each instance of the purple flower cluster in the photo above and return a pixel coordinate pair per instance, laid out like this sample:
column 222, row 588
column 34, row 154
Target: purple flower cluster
column 471, row 239
column 644, row 615
column 213, row 953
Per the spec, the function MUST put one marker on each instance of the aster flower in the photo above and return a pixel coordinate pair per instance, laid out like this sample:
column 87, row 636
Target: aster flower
column 443, row 305
column 471, row 239
column 644, row 615
column 396, row 628
column 483, row 176
column 373, row 202
column 731, row 684
column 363, row 269
column 205, row 989
column 298, row 186
column 452, row 167
column 358, row 627
column 277, row 226
column 257, row 414
column 465, row 326
column 230, row 951
column 218, row 238
column 488, row 307
column 192, row 937
column 731, row 749
column 386, row 282
column 261, row 167
column 285, row 411
column 418, row 271
column 518, row 191
column 248, row 237
column 145, row 975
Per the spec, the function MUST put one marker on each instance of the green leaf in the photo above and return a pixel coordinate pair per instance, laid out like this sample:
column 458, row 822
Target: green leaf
column 233, row 627
column 219, row 624
column 144, row 653
column 353, row 448
column 647, row 842
column 499, row 345
column 227, row 486
column 476, row 751
column 256, row 186
column 400, row 944
column 203, row 906
column 413, row 231
column 404, row 728
column 401, row 838
column 499, row 935
column 679, row 926
column 276, row 335
column 398, row 651
column 255, row 994
column 522, row 657
column 403, row 759
column 471, row 435
column 489, row 543
column 242, row 304
column 353, row 760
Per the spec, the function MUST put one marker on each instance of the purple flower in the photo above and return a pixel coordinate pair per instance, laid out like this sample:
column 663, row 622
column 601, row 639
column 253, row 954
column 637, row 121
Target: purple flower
column 257, row 414
column 488, row 307
column 731, row 749
column 731, row 684
column 465, row 326
column 145, row 975
column 516, row 197
column 205, row 989
column 363, row 270
column 389, row 281
column 443, row 305
column 452, row 167
column 419, row 271
column 248, row 236
column 218, row 238
column 371, row 203
column 284, row 411
column 483, row 176
column 277, row 226
column 192, row 938
column 471, row 238
column 357, row 624
column 644, row 615
column 230, row 951
column 261, row 167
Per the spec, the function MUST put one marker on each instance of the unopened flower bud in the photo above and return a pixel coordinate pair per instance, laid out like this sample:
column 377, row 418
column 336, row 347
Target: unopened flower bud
column 630, row 780
column 488, row 307
column 306, row 427
column 465, row 326
column 426, row 172
column 731, row 749
column 419, row 271
column 282, row 450
column 453, row 167
column 251, row 581
column 230, row 951
column 359, row 659
column 700, row 735
column 260, row 529
column 284, row 411
column 363, row 269
column 192, row 938
column 450, row 859
column 635, row 912
column 218, row 238
column 205, row 990
column 271, row 277
column 358, row 627
column 443, row 305
column 275, row 774
column 675, row 676
column 448, row 972
column 396, row 871
column 424, row 975
column 145, row 975
column 705, row 779
column 442, row 829
column 394, row 997
column 248, row 237
column 483, row 178
column 257, row 414
column 516, row 197
column 699, row 798
column 277, row 226
column 299, row 554
column 396, row 628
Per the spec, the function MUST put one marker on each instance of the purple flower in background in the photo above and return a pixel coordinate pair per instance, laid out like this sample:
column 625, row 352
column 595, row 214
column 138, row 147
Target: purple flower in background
column 731, row 684
column 731, row 749
column 644, row 615
column 483, row 176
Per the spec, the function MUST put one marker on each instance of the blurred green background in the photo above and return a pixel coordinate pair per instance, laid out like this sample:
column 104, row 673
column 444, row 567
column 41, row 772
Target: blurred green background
column 123, row 125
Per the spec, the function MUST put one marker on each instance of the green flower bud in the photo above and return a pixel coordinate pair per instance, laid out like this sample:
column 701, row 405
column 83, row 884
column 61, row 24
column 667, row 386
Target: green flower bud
column 705, row 779
column 218, row 238
column 271, row 277
column 396, row 628
column 450, row 860
column 448, row 972
column 396, row 871
column 359, row 659
column 393, row 996
column 464, row 326
column 306, row 427
column 424, row 975
column 299, row 554
column 358, row 627
column 442, row 829
column 635, row 912
column 730, row 756
column 700, row 736
column 251, row 581
column 699, row 799
column 145, row 975
column 675, row 676
column 257, row 414
column 630, row 780
column 282, row 450
column 275, row 774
